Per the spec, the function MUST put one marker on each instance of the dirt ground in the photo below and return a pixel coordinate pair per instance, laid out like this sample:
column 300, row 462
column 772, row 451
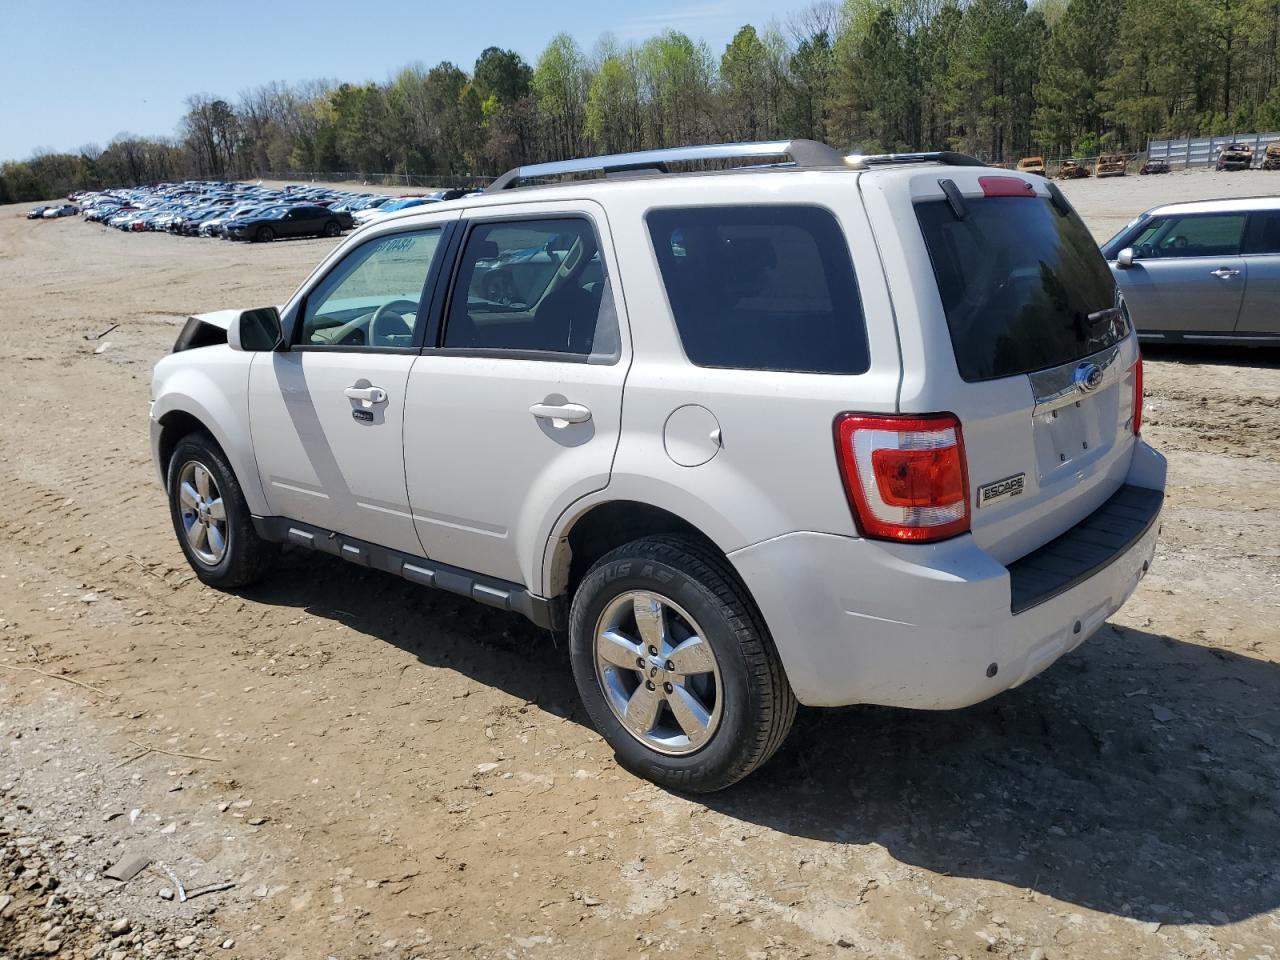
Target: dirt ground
column 388, row 772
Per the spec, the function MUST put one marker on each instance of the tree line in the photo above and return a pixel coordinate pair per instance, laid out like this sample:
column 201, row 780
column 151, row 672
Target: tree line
column 999, row 79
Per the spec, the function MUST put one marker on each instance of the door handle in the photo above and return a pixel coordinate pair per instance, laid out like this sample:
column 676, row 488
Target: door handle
column 366, row 395
column 568, row 412
column 1224, row 273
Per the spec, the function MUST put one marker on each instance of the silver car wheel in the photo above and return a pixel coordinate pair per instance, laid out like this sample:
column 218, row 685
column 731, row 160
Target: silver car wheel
column 204, row 516
column 658, row 673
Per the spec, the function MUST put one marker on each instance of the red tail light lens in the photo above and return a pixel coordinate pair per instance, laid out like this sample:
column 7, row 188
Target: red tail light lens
column 1137, row 396
column 905, row 477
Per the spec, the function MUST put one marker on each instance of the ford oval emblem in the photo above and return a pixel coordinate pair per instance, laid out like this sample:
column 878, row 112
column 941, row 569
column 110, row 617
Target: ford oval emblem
column 1088, row 377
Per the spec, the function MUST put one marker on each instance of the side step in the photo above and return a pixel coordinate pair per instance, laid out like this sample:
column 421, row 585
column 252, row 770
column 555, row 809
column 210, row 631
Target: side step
column 487, row 590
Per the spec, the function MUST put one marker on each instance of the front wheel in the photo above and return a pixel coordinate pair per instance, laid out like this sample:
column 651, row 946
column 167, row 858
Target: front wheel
column 265, row 234
column 212, row 519
column 675, row 667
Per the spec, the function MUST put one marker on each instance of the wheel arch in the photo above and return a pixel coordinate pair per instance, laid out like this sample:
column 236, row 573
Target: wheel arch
column 597, row 528
column 195, row 399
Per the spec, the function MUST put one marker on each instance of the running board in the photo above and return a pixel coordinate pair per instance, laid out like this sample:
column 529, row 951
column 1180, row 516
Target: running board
column 487, row 590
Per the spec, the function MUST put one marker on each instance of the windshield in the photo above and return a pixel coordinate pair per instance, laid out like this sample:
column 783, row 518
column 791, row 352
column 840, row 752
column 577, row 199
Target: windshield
column 1023, row 286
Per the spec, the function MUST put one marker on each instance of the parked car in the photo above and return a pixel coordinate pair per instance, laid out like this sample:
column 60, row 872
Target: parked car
column 1203, row 272
column 1111, row 165
column 732, row 490
column 393, row 205
column 1032, row 165
column 1154, row 166
column 1271, row 159
column 1072, row 170
column 1235, row 156
column 36, row 213
column 285, row 222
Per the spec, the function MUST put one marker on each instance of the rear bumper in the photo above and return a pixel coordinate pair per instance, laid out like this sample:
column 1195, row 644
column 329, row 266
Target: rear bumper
column 934, row 626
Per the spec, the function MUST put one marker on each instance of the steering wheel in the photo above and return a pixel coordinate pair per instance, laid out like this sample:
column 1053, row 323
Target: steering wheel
column 395, row 308
column 498, row 287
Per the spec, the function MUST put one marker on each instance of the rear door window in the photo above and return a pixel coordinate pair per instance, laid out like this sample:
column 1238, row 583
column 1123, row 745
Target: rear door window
column 534, row 287
column 1023, row 286
column 1263, row 235
column 761, row 288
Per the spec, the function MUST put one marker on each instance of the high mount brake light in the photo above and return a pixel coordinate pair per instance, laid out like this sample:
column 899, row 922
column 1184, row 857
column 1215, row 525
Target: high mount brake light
column 905, row 476
column 1006, row 187
column 1137, row 396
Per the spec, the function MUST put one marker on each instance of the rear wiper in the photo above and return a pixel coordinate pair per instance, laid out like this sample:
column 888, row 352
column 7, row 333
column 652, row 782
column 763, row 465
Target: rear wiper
column 1112, row 314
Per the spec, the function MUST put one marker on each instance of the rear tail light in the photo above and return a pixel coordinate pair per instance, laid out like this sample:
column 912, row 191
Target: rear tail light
column 1137, row 396
column 905, row 477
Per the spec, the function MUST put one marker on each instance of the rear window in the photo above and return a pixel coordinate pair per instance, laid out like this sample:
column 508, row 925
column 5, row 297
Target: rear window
column 1018, row 282
column 761, row 288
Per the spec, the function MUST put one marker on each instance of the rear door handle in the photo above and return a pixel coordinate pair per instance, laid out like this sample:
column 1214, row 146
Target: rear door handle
column 1225, row 273
column 366, row 395
column 568, row 412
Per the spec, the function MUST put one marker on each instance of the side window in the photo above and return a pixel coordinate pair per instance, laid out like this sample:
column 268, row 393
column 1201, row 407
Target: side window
column 1211, row 235
column 533, row 285
column 1263, row 235
column 761, row 288
column 371, row 298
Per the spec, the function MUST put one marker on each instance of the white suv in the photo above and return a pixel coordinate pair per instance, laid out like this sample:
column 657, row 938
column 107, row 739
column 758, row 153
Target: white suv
column 826, row 430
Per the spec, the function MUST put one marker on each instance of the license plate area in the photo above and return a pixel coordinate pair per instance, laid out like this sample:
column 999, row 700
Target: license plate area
column 1077, row 412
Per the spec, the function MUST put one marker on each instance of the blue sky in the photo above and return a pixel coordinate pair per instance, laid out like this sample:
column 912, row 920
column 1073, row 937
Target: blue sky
column 82, row 72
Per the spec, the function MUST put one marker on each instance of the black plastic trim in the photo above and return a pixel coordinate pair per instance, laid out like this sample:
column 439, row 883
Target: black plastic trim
column 1207, row 338
column 1084, row 550
column 487, row 590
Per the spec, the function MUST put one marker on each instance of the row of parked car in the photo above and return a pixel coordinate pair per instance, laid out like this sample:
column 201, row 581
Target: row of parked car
column 238, row 211
column 53, row 212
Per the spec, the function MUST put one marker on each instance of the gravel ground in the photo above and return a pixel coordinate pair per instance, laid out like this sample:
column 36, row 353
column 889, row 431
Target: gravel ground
column 384, row 771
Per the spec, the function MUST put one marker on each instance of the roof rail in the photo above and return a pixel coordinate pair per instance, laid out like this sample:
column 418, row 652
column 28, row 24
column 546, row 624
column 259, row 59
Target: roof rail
column 949, row 157
column 802, row 153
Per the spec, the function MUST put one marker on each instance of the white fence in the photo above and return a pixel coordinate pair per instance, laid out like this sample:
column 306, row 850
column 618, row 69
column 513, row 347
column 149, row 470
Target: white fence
column 1203, row 151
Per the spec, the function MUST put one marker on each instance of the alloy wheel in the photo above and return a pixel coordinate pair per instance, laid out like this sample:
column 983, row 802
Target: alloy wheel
column 658, row 672
column 204, row 516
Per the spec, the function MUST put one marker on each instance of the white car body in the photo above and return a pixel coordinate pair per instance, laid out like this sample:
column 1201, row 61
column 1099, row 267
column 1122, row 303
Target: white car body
column 458, row 486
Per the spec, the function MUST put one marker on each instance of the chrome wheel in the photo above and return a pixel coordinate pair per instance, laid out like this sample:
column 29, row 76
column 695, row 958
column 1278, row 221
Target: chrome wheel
column 204, row 517
column 658, row 672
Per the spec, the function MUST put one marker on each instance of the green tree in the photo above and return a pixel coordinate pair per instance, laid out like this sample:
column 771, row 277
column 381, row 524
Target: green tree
column 676, row 76
column 502, row 74
column 747, row 79
column 1070, row 93
column 613, row 105
column 560, row 85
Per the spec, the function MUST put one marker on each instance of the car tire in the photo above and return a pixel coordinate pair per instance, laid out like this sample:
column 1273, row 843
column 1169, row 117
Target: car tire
column 685, row 593
column 265, row 235
column 230, row 553
column 331, row 229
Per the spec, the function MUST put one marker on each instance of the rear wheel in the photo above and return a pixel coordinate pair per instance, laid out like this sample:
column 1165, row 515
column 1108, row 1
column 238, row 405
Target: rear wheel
column 674, row 666
column 212, row 519
column 265, row 235
column 331, row 229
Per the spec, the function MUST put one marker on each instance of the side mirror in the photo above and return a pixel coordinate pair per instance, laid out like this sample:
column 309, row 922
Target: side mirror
column 256, row 330
column 1124, row 259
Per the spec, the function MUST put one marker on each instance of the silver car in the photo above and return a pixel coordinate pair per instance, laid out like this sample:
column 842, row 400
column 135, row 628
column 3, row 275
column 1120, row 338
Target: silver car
column 1207, row 271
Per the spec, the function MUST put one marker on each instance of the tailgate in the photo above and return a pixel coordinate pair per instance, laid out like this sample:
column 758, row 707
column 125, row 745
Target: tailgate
column 1022, row 336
